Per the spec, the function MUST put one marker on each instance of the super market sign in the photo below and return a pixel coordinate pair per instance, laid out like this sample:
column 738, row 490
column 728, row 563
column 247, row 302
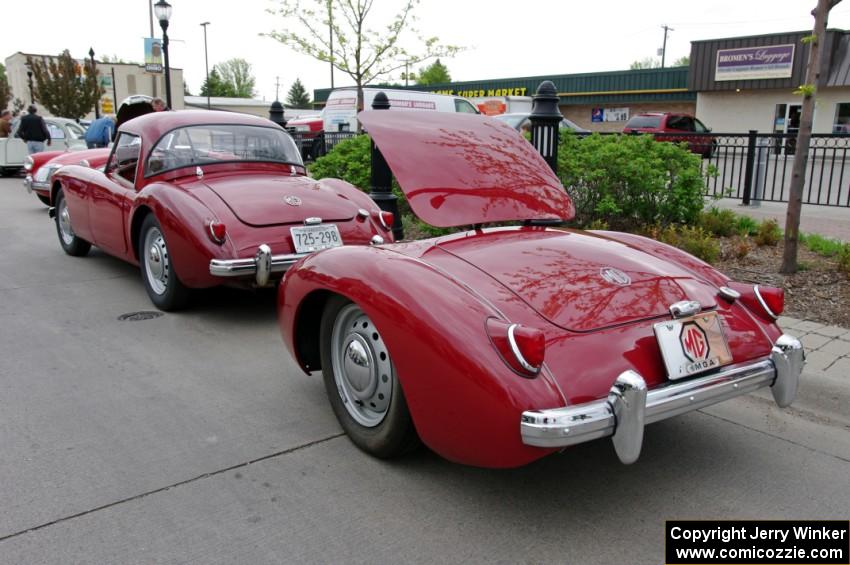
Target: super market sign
column 749, row 63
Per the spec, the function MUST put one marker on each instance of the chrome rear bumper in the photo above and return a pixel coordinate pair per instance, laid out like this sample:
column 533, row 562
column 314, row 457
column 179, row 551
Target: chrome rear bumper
column 630, row 406
column 261, row 266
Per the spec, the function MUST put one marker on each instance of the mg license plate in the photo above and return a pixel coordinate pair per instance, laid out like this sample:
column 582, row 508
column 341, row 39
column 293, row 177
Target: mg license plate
column 308, row 239
column 692, row 345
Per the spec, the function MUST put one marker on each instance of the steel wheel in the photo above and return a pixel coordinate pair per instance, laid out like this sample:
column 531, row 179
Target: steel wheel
column 156, row 261
column 63, row 220
column 362, row 369
column 362, row 385
column 70, row 242
column 163, row 285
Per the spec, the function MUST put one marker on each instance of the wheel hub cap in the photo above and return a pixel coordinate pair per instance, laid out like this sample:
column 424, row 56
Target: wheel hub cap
column 358, row 368
column 155, row 258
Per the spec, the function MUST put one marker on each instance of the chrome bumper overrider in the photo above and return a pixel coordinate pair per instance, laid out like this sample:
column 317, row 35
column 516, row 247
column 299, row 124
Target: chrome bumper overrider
column 31, row 184
column 262, row 265
column 630, row 406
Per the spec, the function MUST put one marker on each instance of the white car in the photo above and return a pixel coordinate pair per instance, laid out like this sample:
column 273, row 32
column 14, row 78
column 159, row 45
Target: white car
column 64, row 134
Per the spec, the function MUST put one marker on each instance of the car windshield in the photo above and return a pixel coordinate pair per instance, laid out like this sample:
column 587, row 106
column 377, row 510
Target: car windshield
column 644, row 122
column 512, row 120
column 208, row 144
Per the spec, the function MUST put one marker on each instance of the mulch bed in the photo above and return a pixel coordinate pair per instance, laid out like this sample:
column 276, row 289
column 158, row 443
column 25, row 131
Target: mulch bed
column 817, row 292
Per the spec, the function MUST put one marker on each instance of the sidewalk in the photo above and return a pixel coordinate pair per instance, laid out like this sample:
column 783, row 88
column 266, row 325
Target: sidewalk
column 825, row 383
column 828, row 221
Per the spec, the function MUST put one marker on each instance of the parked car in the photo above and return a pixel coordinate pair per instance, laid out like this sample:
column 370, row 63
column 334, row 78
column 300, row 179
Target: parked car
column 521, row 122
column 670, row 127
column 499, row 345
column 304, row 130
column 201, row 198
column 64, row 134
column 40, row 167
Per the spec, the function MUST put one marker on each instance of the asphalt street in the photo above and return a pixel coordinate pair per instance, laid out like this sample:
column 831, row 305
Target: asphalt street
column 193, row 438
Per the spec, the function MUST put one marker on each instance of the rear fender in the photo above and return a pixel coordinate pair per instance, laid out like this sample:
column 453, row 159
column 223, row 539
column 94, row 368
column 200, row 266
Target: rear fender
column 465, row 402
column 183, row 219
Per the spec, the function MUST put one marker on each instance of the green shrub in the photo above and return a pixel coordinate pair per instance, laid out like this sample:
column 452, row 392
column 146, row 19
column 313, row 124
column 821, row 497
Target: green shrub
column 693, row 240
column 722, row 223
column 768, row 233
column 745, row 225
column 627, row 180
column 822, row 245
column 844, row 259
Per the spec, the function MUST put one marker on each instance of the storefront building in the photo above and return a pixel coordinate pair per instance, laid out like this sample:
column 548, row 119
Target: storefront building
column 745, row 83
column 596, row 101
column 732, row 85
column 119, row 80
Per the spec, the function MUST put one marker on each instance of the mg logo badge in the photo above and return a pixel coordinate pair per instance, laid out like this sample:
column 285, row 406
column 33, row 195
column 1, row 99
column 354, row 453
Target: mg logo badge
column 292, row 200
column 694, row 342
column 615, row 276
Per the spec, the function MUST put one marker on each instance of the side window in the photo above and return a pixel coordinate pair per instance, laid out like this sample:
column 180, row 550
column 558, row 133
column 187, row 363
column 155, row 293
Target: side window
column 125, row 156
column 75, row 131
column 841, row 124
column 55, row 131
column 699, row 127
column 464, row 107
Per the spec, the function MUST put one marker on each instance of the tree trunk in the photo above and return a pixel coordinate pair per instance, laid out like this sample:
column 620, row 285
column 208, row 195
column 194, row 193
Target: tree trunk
column 804, row 134
column 360, row 102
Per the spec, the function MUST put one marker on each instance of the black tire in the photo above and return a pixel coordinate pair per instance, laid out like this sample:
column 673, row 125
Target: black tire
column 162, row 284
column 70, row 242
column 387, row 431
column 44, row 199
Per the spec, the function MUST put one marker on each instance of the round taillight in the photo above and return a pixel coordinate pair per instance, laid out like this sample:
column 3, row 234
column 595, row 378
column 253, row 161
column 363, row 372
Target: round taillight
column 217, row 231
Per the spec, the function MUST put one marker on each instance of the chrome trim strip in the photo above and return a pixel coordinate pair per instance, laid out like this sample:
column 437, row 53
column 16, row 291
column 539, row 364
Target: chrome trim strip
column 517, row 353
column 28, row 183
column 685, row 308
column 763, row 303
column 629, row 406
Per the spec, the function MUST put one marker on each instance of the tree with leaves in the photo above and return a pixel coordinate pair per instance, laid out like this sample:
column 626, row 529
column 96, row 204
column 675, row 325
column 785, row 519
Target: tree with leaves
column 64, row 86
column 435, row 73
column 5, row 89
column 804, row 135
column 236, row 73
column 340, row 32
column 655, row 63
column 297, row 96
column 214, row 86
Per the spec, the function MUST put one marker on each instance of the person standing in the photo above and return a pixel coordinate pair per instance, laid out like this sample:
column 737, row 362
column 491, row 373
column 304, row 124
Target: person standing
column 34, row 131
column 5, row 123
column 100, row 132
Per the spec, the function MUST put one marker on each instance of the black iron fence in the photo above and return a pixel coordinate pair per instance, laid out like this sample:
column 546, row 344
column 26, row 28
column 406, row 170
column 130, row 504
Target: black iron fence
column 751, row 166
column 757, row 167
column 313, row 146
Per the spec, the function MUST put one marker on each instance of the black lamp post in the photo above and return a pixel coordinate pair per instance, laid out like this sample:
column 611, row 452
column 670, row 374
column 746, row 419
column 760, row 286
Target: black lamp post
column 94, row 74
column 381, row 183
column 545, row 121
column 206, row 62
column 163, row 14
column 29, row 79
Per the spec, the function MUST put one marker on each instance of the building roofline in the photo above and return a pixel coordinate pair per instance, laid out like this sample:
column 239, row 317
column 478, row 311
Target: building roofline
column 137, row 65
column 805, row 31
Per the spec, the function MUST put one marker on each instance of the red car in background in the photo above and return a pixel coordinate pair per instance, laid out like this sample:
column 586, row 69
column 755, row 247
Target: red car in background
column 305, row 130
column 500, row 344
column 678, row 128
column 201, row 198
column 40, row 168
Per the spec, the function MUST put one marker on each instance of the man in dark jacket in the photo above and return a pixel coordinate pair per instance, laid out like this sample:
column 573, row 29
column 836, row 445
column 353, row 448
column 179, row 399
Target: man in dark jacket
column 34, row 131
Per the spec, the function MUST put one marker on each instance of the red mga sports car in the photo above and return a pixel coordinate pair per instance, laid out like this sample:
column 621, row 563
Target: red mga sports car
column 40, row 168
column 499, row 345
column 201, row 198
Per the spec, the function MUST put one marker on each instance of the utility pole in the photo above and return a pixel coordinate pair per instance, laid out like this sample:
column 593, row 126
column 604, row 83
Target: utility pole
column 406, row 71
column 277, row 88
column 331, row 33
column 206, row 63
column 666, row 29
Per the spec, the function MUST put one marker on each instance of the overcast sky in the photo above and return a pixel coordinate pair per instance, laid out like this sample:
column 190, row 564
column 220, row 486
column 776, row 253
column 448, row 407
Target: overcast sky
column 503, row 39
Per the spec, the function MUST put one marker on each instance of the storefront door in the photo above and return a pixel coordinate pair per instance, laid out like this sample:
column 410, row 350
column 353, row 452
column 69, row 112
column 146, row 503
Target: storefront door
column 787, row 120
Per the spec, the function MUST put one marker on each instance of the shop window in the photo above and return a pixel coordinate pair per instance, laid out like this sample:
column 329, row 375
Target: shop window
column 841, row 124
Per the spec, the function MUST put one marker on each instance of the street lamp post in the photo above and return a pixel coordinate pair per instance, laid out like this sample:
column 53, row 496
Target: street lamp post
column 163, row 14
column 29, row 80
column 206, row 62
column 94, row 74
